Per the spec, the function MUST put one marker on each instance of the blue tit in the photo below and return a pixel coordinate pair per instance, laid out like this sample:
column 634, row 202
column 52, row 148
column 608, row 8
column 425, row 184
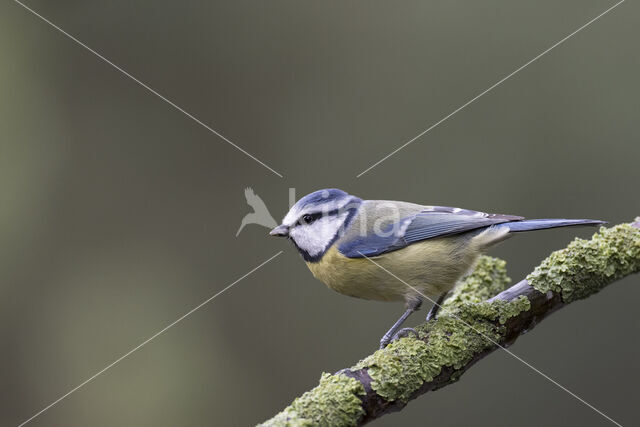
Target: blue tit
column 352, row 245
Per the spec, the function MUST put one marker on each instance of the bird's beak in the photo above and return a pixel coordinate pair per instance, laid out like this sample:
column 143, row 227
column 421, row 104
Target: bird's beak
column 280, row 231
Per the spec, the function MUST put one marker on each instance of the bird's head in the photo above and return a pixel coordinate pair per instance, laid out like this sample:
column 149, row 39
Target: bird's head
column 317, row 220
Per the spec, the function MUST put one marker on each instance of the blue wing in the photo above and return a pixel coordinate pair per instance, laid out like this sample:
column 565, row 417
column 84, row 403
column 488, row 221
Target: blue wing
column 432, row 222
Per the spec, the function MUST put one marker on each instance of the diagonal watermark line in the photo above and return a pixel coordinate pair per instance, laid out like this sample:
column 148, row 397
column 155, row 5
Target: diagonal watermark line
column 490, row 88
column 147, row 87
column 143, row 343
column 545, row 376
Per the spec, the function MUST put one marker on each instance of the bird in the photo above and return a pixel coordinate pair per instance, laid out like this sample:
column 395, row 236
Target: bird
column 372, row 249
column 260, row 214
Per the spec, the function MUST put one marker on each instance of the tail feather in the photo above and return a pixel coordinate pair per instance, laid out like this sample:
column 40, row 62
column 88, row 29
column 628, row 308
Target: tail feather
column 541, row 224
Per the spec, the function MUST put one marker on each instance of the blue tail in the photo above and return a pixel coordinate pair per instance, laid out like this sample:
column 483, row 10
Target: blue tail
column 541, row 224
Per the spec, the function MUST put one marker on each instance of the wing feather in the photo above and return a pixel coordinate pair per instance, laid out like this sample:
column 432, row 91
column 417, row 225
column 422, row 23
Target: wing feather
column 429, row 223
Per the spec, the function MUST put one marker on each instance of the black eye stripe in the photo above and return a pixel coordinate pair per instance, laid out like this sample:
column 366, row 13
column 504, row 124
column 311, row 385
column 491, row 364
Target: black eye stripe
column 312, row 217
column 309, row 218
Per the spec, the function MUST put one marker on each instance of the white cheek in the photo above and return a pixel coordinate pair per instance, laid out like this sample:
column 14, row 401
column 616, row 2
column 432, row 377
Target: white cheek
column 315, row 238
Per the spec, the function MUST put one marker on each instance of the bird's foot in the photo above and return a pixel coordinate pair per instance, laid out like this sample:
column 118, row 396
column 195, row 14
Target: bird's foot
column 402, row 333
column 431, row 315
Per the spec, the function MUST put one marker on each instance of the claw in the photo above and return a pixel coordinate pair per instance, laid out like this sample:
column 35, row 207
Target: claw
column 436, row 307
column 384, row 342
column 402, row 333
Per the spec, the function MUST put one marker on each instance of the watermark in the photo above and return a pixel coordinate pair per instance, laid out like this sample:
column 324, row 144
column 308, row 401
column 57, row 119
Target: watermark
column 384, row 220
column 260, row 215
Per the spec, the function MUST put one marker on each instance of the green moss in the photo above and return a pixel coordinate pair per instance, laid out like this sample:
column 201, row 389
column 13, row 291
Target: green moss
column 288, row 418
column 586, row 266
column 487, row 279
column 451, row 340
column 333, row 402
column 576, row 272
column 497, row 310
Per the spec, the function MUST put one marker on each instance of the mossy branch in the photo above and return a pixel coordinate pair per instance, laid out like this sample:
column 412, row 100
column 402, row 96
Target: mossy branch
column 481, row 315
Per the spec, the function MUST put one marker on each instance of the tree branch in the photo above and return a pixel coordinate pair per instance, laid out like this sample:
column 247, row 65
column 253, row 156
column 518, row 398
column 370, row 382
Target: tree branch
column 482, row 315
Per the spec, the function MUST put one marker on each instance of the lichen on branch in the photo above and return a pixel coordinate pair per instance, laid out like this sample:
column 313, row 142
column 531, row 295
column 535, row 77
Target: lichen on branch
column 461, row 330
column 586, row 266
column 482, row 314
column 334, row 402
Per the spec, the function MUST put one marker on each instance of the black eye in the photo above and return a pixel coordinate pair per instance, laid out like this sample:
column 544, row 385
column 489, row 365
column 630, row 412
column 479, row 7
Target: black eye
column 309, row 218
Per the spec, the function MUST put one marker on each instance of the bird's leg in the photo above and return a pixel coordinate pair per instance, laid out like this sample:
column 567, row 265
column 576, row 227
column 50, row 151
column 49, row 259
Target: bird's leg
column 436, row 306
column 391, row 333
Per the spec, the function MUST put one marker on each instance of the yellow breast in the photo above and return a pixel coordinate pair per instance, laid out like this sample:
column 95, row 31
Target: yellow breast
column 431, row 267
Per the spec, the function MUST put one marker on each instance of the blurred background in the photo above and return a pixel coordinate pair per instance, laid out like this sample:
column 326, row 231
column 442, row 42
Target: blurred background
column 118, row 213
